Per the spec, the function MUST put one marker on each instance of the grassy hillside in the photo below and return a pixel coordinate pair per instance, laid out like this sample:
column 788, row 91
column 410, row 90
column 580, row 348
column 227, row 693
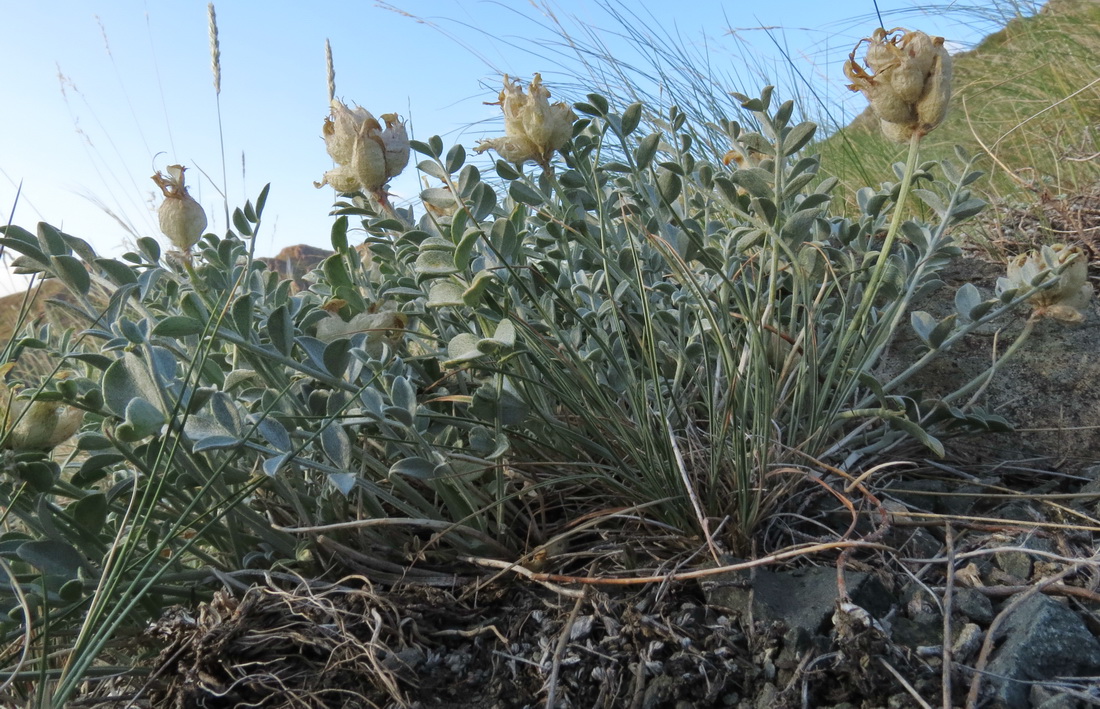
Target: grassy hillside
column 1027, row 98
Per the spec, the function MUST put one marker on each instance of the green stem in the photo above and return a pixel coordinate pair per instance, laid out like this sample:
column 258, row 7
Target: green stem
column 879, row 271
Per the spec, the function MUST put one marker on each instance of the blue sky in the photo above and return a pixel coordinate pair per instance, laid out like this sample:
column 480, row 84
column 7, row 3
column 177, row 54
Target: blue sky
column 98, row 96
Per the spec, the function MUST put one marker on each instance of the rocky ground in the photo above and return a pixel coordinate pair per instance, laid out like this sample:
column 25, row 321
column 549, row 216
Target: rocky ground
column 968, row 575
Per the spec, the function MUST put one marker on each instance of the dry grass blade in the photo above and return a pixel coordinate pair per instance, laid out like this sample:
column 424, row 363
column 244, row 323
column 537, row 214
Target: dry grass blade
column 559, row 652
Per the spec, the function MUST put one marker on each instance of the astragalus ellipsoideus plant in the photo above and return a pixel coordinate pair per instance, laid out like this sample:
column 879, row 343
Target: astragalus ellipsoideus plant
column 642, row 330
column 631, row 333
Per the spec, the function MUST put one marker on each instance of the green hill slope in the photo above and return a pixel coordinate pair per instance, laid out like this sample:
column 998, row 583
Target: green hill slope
column 1027, row 98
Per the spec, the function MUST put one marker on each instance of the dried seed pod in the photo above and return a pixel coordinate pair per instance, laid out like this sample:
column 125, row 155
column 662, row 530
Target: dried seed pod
column 909, row 85
column 933, row 103
column 367, row 156
column 182, row 219
column 35, row 425
column 1070, row 293
column 533, row 127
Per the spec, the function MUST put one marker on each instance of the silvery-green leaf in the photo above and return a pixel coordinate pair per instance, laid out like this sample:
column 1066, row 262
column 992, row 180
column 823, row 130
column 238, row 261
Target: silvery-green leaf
column 435, row 263
column 432, row 168
column 52, row 556
column 72, row 272
column 200, row 426
column 225, row 412
column 520, row 192
column 504, row 338
column 932, row 200
column 142, row 419
column 238, row 376
column 273, row 431
column 503, row 405
column 950, row 171
column 669, row 185
column 967, row 209
column 631, row 117
column 484, row 201
column 966, row 299
column 399, row 414
column 439, row 197
column 178, row 326
column 472, row 295
column 436, row 243
column 119, row 273
column 979, row 311
column 755, row 181
column 403, row 395
column 280, row 329
column 923, row 325
column 927, row 288
column 336, row 357
column 462, row 348
column 344, row 482
column 51, row 240
column 914, row 429
column 126, row 379
column 646, row 150
column 90, row 513
column 455, row 157
column 798, row 136
column 414, row 467
column 942, row 330
column 445, row 292
column 337, row 445
column 216, row 443
column 372, row 402
column 272, row 466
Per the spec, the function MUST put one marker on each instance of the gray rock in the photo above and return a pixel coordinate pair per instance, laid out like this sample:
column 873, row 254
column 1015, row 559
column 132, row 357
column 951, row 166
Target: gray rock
column 975, row 605
column 919, row 604
column 802, row 598
column 939, row 496
column 967, row 641
column 1018, row 563
column 1044, row 640
column 1090, row 505
column 1043, row 698
column 769, row 693
column 925, row 631
column 913, row 542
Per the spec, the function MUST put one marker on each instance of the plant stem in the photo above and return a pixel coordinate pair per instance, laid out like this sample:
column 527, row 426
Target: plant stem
column 891, row 235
